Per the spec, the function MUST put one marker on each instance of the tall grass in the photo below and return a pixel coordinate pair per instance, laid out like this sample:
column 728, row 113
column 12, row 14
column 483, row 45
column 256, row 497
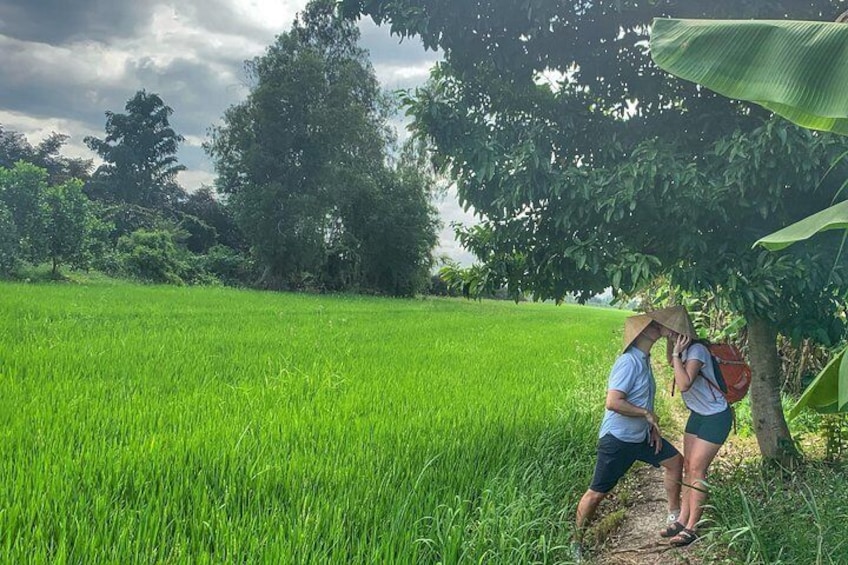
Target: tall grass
column 155, row 425
column 760, row 515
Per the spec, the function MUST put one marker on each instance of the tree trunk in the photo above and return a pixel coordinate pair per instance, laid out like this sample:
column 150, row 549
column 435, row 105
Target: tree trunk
column 773, row 435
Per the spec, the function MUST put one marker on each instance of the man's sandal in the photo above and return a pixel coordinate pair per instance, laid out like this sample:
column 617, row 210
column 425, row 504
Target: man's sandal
column 672, row 530
column 685, row 537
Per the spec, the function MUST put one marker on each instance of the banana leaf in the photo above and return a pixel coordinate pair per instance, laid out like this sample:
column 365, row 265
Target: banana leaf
column 828, row 393
column 797, row 69
column 835, row 217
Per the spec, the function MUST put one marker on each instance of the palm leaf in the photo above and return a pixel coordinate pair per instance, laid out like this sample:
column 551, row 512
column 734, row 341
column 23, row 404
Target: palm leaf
column 796, row 69
column 828, row 393
column 835, row 217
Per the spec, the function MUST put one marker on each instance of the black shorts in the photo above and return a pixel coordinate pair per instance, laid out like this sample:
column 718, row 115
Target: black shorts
column 615, row 457
column 713, row 428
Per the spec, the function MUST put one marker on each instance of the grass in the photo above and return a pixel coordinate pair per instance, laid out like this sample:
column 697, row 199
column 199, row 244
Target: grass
column 207, row 425
column 762, row 516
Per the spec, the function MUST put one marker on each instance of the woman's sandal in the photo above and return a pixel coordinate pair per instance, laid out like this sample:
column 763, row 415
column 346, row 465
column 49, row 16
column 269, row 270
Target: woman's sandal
column 672, row 530
column 685, row 537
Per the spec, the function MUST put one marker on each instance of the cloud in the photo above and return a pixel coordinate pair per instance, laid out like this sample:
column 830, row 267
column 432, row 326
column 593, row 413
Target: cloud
column 57, row 22
column 452, row 213
column 64, row 63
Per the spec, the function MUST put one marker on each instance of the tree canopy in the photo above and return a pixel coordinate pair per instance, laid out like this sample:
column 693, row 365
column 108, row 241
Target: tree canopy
column 139, row 151
column 589, row 167
column 14, row 147
column 303, row 163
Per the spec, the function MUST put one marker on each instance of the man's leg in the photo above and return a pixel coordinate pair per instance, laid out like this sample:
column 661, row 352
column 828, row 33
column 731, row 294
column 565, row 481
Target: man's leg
column 586, row 510
column 614, row 459
column 672, row 480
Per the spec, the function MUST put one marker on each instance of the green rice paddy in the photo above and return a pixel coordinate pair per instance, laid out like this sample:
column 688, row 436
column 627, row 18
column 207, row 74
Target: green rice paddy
column 203, row 425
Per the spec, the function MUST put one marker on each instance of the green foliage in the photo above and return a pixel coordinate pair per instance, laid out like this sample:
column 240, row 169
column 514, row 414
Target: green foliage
column 395, row 228
column 203, row 205
column 14, row 147
column 577, row 193
column 139, row 151
column 834, row 217
column 9, row 252
column 290, row 156
column 68, row 224
column 201, row 236
column 828, row 393
column 303, row 162
column 259, row 427
column 230, row 266
column 22, row 190
column 152, row 256
column 791, row 68
column 759, row 516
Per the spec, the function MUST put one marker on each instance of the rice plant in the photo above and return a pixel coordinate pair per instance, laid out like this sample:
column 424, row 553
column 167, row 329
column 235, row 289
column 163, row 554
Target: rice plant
column 166, row 425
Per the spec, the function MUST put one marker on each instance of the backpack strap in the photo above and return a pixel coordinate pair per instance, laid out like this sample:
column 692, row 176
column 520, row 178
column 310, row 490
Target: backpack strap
column 715, row 388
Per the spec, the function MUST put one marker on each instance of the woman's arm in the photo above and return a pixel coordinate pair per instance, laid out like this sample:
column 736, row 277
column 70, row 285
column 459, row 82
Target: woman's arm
column 684, row 373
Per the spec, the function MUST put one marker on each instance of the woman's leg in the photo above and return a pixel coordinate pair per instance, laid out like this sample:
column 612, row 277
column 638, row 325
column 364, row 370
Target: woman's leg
column 699, row 455
column 688, row 440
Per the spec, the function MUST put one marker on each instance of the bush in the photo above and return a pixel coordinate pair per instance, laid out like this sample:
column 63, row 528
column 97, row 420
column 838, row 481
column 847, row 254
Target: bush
column 230, row 266
column 152, row 256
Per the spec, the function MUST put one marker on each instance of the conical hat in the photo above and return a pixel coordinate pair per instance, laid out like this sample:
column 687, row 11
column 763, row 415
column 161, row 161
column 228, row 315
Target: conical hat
column 676, row 319
column 633, row 326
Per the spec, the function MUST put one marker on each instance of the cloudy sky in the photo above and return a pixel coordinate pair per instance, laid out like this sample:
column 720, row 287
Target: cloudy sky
column 63, row 63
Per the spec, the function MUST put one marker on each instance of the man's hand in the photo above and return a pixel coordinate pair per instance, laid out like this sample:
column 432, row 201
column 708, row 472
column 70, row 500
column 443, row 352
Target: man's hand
column 652, row 419
column 656, row 439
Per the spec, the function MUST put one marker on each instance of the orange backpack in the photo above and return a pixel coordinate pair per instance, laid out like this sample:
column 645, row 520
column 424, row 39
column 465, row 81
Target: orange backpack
column 731, row 371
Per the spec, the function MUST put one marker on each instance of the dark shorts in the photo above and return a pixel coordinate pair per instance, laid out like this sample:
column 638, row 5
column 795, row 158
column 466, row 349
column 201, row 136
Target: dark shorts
column 615, row 457
column 713, row 428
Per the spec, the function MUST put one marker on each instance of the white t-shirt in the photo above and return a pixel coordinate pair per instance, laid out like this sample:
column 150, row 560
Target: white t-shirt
column 701, row 397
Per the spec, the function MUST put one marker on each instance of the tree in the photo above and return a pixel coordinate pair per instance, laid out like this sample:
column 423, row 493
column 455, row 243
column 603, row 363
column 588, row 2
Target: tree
column 41, row 221
column 812, row 94
column 14, row 147
column 207, row 209
column 68, row 224
column 302, row 161
column 22, row 191
column 139, row 151
column 588, row 167
column 396, row 227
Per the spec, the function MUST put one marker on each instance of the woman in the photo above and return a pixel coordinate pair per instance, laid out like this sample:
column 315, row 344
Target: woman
column 709, row 424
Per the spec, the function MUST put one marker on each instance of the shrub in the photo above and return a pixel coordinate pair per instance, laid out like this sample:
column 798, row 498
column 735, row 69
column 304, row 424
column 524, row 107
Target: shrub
column 230, row 266
column 152, row 256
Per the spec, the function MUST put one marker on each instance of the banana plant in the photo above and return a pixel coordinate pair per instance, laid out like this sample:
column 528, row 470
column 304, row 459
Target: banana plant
column 795, row 69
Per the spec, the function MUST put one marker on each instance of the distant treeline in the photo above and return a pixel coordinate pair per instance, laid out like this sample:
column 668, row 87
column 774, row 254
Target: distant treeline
column 313, row 191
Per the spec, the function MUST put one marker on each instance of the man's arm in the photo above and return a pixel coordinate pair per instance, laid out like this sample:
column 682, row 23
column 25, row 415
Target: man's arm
column 617, row 402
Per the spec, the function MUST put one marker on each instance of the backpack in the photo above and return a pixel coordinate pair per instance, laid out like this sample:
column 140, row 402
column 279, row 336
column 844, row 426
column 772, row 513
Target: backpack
column 732, row 373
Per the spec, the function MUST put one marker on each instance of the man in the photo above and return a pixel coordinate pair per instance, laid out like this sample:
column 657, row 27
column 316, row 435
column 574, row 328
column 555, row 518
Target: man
column 630, row 429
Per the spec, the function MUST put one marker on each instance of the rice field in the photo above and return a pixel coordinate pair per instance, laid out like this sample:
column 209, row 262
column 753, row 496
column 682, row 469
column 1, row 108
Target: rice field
column 143, row 424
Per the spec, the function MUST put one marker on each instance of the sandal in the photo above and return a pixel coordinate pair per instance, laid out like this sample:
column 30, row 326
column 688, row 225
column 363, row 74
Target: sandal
column 672, row 530
column 684, row 538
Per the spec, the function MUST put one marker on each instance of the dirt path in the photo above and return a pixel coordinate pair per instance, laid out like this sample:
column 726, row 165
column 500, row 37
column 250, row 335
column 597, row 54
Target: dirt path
column 636, row 540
